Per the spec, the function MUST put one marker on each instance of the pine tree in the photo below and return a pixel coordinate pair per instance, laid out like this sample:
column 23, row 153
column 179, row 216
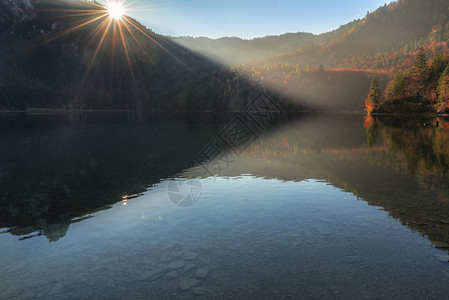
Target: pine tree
column 374, row 97
column 396, row 87
column 436, row 69
column 421, row 60
column 443, row 88
column 437, row 66
column 421, row 73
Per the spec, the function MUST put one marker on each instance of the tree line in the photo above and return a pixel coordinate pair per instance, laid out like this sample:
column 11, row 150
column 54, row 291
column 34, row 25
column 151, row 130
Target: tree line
column 425, row 85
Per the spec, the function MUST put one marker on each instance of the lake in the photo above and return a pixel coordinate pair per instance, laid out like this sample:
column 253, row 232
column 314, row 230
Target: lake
column 203, row 205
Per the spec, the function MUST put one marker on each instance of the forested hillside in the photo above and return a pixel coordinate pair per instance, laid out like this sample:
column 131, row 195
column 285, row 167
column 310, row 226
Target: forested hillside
column 386, row 42
column 46, row 63
column 386, row 39
column 64, row 54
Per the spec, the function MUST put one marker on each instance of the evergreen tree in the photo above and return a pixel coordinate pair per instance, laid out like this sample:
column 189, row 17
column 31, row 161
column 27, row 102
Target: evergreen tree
column 374, row 97
column 421, row 73
column 396, row 88
column 443, row 88
column 437, row 66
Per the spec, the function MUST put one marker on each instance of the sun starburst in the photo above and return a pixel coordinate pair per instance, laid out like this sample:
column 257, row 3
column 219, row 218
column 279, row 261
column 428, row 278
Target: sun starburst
column 115, row 9
column 112, row 25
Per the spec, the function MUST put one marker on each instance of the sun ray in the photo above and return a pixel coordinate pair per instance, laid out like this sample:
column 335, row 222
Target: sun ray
column 79, row 10
column 81, row 14
column 149, row 37
column 161, row 46
column 110, row 24
column 62, row 33
column 96, row 32
column 97, row 50
column 126, row 50
column 84, row 24
column 133, row 36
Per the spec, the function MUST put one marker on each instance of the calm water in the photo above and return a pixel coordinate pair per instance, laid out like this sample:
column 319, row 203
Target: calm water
column 213, row 206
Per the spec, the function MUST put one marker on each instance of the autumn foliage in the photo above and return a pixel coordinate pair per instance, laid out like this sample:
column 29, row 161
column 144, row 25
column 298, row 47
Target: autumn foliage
column 374, row 97
column 369, row 121
column 427, row 82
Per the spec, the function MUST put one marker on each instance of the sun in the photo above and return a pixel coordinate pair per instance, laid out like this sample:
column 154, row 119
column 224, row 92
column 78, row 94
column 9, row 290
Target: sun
column 115, row 10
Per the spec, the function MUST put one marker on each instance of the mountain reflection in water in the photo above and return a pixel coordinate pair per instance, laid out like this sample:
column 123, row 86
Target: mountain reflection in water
column 59, row 169
column 319, row 206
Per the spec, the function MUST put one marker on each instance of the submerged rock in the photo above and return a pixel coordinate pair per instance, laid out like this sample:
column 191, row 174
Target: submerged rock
column 190, row 256
column 189, row 266
column 165, row 258
column 172, row 275
column 202, row 273
column 187, row 283
column 177, row 264
column 57, row 288
column 110, row 283
column 199, row 291
column 350, row 259
column 149, row 274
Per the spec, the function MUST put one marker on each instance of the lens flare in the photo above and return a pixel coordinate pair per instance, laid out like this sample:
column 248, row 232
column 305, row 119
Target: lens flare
column 115, row 10
column 112, row 23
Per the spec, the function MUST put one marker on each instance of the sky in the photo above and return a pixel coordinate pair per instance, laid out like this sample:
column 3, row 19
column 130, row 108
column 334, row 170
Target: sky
column 247, row 18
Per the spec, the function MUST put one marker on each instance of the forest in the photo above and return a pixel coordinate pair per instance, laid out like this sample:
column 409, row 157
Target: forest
column 46, row 63
column 421, row 88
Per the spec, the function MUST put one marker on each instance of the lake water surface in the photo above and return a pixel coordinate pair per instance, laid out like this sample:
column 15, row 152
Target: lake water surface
column 114, row 206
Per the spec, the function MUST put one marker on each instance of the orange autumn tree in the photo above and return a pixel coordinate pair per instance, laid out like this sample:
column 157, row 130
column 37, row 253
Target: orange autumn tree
column 374, row 98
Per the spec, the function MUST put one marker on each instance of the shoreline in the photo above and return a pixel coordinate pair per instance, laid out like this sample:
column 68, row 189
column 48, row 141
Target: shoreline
column 35, row 111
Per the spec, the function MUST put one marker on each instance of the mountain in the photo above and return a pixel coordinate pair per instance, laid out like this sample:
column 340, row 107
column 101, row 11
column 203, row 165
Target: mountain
column 333, row 71
column 230, row 51
column 46, row 63
column 386, row 39
column 69, row 54
column 233, row 50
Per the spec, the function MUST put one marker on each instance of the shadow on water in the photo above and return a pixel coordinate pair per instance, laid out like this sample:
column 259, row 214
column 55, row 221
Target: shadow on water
column 59, row 169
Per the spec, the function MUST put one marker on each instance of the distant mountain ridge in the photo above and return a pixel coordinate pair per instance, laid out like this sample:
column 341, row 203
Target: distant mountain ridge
column 233, row 50
column 333, row 71
column 385, row 39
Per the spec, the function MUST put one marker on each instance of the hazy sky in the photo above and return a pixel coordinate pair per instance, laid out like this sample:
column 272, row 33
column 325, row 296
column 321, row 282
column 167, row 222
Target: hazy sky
column 248, row 18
